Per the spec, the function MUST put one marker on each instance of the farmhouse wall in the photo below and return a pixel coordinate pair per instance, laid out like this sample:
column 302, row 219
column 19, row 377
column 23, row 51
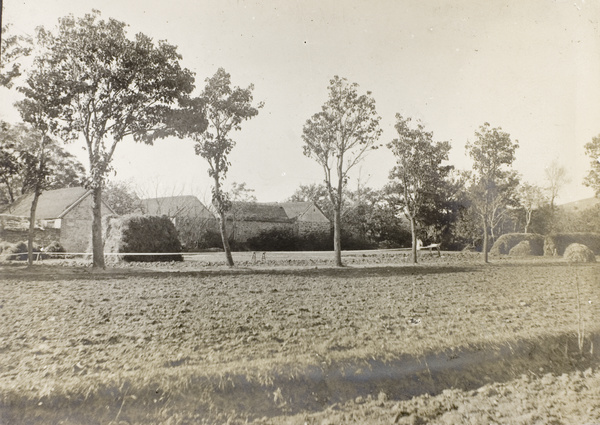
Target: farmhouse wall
column 76, row 228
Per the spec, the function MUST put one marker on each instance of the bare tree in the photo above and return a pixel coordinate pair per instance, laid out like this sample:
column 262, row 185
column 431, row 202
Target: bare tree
column 556, row 178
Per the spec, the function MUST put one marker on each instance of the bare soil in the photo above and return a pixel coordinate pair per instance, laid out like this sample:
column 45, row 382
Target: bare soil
column 293, row 340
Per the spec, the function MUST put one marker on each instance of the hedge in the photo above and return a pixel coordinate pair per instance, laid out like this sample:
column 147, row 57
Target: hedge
column 142, row 233
column 557, row 243
column 506, row 242
column 522, row 249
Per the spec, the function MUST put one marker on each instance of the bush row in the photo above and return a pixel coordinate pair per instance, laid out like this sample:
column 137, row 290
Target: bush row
column 18, row 251
column 514, row 243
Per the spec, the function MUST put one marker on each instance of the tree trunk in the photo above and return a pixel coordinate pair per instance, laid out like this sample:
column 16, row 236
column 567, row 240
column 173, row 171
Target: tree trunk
column 97, row 245
column 485, row 241
column 224, row 239
column 413, row 232
column 36, row 196
column 527, row 221
column 337, row 235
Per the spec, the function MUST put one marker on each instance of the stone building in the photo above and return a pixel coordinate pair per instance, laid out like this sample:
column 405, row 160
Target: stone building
column 307, row 216
column 249, row 219
column 61, row 214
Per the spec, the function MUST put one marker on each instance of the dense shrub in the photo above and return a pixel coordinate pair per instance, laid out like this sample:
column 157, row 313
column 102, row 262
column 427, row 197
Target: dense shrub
column 287, row 240
column 273, row 240
column 52, row 248
column 506, row 242
column 141, row 234
column 557, row 243
column 522, row 249
column 16, row 251
column 578, row 253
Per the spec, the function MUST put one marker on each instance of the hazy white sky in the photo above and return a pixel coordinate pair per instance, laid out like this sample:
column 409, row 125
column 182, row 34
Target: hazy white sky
column 531, row 67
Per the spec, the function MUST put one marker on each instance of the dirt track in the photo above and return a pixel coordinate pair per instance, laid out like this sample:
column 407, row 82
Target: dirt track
column 129, row 344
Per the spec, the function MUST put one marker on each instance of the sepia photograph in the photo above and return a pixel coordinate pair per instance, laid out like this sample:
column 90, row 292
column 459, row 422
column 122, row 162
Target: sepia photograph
column 308, row 212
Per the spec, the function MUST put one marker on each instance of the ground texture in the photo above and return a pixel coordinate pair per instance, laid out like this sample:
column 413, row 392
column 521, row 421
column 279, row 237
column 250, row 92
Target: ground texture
column 293, row 340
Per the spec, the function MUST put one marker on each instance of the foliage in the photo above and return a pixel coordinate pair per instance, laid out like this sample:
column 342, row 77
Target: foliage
column 16, row 251
column 505, row 243
column 226, row 108
column 287, row 240
column 12, row 48
column 592, row 149
column 122, row 198
column 418, row 176
column 89, row 80
column 493, row 183
column 556, row 177
column 338, row 138
column 17, row 163
column 274, row 240
column 557, row 243
column 141, row 234
column 578, row 253
column 530, row 197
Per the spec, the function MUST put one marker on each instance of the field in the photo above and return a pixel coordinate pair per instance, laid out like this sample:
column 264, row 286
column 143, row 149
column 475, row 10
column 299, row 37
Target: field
column 291, row 339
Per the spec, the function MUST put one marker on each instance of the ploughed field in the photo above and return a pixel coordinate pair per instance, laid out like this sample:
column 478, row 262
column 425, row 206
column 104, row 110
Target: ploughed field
column 293, row 340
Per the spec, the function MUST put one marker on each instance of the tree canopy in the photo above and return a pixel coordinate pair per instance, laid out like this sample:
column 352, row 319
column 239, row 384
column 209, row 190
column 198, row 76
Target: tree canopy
column 419, row 174
column 90, row 81
column 338, row 138
column 493, row 183
column 592, row 149
column 226, row 107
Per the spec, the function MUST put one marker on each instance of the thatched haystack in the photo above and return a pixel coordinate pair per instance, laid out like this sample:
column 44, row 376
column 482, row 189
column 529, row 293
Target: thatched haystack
column 142, row 234
column 557, row 244
column 578, row 253
column 506, row 242
column 522, row 249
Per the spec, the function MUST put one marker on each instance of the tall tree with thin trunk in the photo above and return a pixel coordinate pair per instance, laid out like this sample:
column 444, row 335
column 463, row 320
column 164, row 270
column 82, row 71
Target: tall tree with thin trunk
column 226, row 108
column 556, row 178
column 530, row 197
column 338, row 138
column 99, row 86
column 493, row 182
column 419, row 173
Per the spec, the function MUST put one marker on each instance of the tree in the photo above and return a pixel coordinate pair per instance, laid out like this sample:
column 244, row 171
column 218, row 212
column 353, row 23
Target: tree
column 122, row 197
column 592, row 149
column 63, row 169
column 12, row 48
column 530, row 198
column 9, row 162
column 493, row 182
column 338, row 138
column 226, row 108
column 418, row 175
column 556, row 178
column 98, row 85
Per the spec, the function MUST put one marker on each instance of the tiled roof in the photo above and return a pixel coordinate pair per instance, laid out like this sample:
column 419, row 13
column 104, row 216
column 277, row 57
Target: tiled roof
column 51, row 204
column 176, row 206
column 254, row 211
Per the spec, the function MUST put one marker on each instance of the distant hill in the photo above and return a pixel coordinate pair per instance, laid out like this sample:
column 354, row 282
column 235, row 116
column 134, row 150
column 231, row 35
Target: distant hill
column 580, row 205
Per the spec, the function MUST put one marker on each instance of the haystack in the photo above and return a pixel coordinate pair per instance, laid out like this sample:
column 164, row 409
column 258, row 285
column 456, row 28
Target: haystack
column 578, row 253
column 522, row 249
column 506, row 242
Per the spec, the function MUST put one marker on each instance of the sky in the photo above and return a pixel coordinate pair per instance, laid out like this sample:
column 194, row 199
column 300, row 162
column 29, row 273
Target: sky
column 530, row 67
